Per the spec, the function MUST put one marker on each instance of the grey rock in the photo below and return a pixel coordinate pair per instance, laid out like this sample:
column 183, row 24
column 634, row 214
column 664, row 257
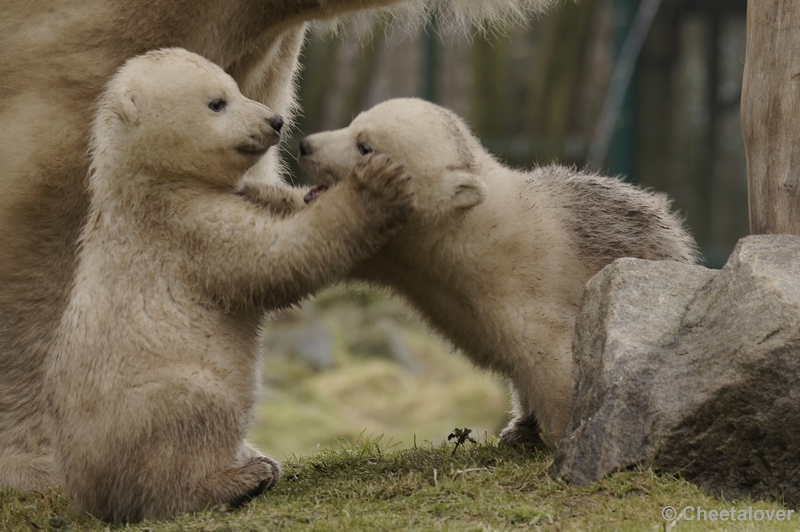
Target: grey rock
column 692, row 371
column 382, row 337
column 401, row 352
column 309, row 340
column 313, row 343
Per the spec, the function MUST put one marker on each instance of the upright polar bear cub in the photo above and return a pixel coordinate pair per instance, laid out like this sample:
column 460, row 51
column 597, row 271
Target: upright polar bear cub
column 497, row 259
column 154, row 368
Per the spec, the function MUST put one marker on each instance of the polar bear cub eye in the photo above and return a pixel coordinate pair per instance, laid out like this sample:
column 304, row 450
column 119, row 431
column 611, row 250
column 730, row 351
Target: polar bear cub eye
column 217, row 105
column 364, row 148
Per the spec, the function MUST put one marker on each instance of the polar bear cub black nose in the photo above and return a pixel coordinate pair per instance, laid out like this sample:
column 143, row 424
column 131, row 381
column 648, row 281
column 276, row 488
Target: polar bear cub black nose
column 276, row 122
column 305, row 147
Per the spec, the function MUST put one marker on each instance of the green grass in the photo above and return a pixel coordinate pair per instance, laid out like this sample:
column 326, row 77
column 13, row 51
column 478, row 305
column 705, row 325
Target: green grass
column 366, row 388
column 368, row 486
column 410, row 478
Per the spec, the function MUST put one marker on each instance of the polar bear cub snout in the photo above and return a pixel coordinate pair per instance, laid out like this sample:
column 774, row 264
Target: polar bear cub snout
column 267, row 134
column 429, row 141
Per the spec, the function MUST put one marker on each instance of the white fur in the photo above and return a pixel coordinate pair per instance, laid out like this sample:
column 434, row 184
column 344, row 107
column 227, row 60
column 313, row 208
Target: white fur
column 497, row 259
column 55, row 59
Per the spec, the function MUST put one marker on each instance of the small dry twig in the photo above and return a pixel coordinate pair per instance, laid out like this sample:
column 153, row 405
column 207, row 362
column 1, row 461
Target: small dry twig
column 461, row 436
column 470, row 470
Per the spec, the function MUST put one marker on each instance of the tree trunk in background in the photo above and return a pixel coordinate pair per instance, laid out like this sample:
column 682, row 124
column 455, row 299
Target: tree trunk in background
column 771, row 115
column 555, row 76
column 566, row 67
column 356, row 99
column 320, row 66
column 490, row 67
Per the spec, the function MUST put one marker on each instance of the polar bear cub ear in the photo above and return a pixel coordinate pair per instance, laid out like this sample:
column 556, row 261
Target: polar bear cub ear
column 124, row 106
column 463, row 189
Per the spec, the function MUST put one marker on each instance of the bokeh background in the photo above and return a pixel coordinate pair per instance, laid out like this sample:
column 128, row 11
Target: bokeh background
column 352, row 360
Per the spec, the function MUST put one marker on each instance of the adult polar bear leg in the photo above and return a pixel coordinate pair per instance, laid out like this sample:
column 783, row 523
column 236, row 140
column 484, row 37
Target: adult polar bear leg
column 42, row 205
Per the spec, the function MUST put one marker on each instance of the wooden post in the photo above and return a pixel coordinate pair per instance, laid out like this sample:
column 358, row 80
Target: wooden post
column 771, row 115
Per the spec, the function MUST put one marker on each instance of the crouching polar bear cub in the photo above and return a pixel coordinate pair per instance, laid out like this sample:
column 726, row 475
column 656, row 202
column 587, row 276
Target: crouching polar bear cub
column 154, row 369
column 497, row 259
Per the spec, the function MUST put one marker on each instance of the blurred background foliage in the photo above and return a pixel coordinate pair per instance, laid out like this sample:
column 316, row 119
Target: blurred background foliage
column 354, row 360
column 533, row 94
